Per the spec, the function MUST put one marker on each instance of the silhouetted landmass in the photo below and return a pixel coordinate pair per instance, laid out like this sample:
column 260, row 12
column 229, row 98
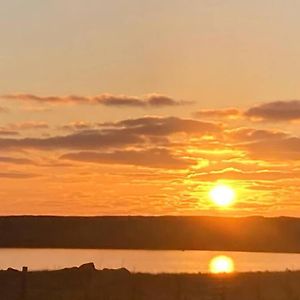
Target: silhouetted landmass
column 202, row 233
column 86, row 283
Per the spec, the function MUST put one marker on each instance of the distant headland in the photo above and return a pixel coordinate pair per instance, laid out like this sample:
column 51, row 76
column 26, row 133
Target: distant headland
column 251, row 234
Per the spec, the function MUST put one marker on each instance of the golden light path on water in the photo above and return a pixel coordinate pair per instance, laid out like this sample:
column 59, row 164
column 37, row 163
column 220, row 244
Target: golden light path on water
column 221, row 264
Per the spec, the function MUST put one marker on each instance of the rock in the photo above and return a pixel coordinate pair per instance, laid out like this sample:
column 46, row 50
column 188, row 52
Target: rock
column 12, row 270
column 121, row 271
column 87, row 267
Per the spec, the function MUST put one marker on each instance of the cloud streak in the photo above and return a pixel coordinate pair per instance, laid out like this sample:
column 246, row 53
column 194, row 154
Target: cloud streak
column 29, row 125
column 153, row 158
column 276, row 111
column 228, row 113
column 7, row 132
column 165, row 126
column 82, row 140
column 14, row 160
column 149, row 101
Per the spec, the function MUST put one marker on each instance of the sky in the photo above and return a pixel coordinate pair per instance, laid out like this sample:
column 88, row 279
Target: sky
column 130, row 107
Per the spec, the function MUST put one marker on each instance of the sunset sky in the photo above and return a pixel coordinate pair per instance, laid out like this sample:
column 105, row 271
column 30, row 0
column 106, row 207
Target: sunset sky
column 141, row 107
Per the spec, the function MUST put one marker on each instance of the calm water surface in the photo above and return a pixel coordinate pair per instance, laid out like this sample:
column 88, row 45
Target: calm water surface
column 145, row 261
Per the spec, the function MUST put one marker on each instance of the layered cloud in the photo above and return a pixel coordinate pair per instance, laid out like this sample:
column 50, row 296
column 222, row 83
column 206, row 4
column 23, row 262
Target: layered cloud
column 165, row 126
column 152, row 164
column 82, row 140
column 152, row 100
column 123, row 133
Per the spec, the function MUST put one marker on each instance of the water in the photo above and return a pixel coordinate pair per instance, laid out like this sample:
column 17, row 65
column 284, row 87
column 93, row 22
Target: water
column 145, row 261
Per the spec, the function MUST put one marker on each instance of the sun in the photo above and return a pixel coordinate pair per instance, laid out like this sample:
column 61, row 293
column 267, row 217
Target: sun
column 221, row 264
column 222, row 195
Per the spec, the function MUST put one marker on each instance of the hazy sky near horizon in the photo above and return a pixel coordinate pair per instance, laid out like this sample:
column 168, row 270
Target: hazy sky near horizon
column 140, row 107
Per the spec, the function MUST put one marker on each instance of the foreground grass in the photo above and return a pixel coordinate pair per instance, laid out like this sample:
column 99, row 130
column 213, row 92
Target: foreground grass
column 86, row 283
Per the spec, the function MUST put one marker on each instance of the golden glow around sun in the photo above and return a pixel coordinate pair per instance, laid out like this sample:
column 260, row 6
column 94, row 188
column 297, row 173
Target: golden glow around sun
column 221, row 264
column 222, row 195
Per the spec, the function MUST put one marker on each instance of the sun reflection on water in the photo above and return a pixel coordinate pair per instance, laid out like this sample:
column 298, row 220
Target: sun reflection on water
column 221, row 264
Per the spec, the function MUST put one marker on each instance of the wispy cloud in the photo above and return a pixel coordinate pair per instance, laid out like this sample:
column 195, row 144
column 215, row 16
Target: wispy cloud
column 151, row 125
column 274, row 111
column 18, row 175
column 148, row 101
column 29, row 125
column 228, row 113
column 7, row 132
column 232, row 174
column 14, row 160
column 157, row 158
column 78, row 125
column 81, row 140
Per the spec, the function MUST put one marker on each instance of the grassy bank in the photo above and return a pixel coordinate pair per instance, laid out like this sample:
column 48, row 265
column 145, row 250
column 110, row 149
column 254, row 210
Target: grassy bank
column 86, row 283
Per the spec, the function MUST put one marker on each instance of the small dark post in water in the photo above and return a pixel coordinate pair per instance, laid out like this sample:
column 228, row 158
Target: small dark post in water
column 24, row 283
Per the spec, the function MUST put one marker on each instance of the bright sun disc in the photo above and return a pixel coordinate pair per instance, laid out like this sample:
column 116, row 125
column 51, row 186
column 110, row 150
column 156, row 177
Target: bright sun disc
column 221, row 264
column 222, row 195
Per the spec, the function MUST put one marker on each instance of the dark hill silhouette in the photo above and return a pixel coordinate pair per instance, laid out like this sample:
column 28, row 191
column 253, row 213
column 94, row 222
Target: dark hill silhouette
column 280, row 234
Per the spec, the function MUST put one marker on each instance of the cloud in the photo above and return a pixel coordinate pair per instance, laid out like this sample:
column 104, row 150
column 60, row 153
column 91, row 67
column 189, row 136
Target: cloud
column 264, row 144
column 233, row 174
column 151, row 130
column 13, row 160
column 165, row 126
column 27, row 125
column 242, row 134
column 283, row 149
column 154, row 158
column 78, row 125
column 275, row 111
column 229, row 113
column 17, row 175
column 92, row 139
column 151, row 100
column 5, row 132
column 272, row 111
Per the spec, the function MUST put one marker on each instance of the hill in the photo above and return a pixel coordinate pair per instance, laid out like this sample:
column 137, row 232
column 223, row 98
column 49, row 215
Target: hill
column 257, row 234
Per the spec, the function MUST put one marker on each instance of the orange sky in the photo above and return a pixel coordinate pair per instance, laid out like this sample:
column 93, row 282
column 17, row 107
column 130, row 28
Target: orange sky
column 125, row 107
